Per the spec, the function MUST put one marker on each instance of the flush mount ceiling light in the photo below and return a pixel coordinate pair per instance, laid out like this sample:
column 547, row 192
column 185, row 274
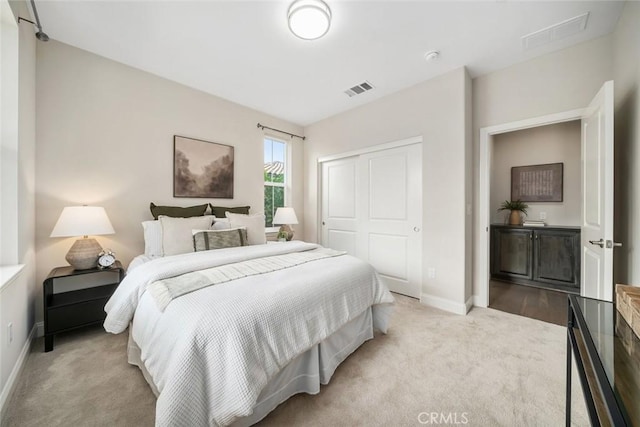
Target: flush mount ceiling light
column 309, row 19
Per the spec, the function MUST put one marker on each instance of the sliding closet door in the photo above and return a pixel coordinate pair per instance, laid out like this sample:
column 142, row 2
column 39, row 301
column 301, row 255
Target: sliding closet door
column 390, row 220
column 372, row 208
column 339, row 214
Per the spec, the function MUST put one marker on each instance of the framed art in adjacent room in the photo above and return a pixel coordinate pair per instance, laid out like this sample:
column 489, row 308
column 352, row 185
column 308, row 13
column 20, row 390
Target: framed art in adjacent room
column 537, row 183
column 202, row 169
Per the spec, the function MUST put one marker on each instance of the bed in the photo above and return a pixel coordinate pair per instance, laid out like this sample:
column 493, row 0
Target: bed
column 229, row 353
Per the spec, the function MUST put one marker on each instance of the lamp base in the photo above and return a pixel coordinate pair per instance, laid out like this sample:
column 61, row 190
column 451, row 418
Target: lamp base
column 83, row 254
column 286, row 230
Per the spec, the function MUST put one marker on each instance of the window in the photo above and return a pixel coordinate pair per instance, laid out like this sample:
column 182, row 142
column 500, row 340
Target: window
column 275, row 177
column 9, row 131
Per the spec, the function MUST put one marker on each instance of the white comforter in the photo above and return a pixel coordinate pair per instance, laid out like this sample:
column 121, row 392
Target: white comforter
column 211, row 352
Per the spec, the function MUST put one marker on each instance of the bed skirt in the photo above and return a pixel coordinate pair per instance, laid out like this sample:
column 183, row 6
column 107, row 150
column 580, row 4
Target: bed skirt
column 304, row 374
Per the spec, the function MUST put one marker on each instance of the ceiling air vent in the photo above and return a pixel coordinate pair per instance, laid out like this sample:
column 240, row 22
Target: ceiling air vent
column 555, row 32
column 358, row 89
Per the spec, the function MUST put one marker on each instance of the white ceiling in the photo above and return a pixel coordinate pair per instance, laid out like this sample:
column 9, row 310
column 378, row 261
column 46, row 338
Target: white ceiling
column 244, row 52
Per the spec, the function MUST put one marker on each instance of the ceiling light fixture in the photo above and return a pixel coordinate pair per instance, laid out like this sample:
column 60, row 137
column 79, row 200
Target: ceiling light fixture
column 309, row 19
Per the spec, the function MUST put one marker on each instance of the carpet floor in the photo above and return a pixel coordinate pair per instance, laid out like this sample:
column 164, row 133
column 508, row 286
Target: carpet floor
column 488, row 368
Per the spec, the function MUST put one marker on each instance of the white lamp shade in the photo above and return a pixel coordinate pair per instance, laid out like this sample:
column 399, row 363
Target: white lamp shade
column 309, row 19
column 82, row 221
column 285, row 216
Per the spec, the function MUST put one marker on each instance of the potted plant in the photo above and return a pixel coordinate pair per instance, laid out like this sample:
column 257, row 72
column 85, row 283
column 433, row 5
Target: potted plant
column 515, row 207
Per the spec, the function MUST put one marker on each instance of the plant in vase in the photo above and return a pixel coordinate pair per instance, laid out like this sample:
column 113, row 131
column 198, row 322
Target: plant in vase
column 516, row 207
column 282, row 236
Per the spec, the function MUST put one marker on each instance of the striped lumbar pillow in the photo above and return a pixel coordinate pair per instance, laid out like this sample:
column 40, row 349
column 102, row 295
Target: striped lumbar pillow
column 204, row 240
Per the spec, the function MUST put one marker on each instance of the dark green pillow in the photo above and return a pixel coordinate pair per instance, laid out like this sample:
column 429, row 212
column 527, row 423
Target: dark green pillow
column 219, row 211
column 176, row 211
column 206, row 240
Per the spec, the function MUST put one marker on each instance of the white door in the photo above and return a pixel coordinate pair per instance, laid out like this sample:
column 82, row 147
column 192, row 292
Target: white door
column 389, row 227
column 372, row 208
column 597, row 196
column 339, row 214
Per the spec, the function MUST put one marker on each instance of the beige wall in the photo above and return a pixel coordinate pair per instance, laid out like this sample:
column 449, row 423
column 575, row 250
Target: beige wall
column 559, row 143
column 436, row 111
column 105, row 137
column 626, row 66
column 560, row 81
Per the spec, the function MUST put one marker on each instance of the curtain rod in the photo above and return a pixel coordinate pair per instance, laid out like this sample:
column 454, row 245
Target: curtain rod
column 282, row 131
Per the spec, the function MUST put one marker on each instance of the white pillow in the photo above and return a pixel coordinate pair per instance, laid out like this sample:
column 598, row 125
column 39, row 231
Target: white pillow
column 254, row 224
column 176, row 233
column 221, row 224
column 152, row 239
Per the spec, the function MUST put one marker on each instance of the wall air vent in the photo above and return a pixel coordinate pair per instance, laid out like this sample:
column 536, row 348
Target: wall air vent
column 358, row 89
column 555, row 32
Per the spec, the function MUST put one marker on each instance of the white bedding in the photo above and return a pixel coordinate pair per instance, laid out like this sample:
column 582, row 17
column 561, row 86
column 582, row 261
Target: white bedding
column 212, row 351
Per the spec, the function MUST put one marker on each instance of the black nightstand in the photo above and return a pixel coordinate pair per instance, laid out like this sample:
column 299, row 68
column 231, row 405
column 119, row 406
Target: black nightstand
column 76, row 298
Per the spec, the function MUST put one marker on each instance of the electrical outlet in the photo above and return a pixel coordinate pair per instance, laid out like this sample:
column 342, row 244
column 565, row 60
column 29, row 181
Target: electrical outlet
column 10, row 332
column 431, row 273
column 543, row 215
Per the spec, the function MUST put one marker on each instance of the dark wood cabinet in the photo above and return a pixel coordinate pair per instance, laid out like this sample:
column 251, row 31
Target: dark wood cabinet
column 76, row 298
column 546, row 257
column 511, row 256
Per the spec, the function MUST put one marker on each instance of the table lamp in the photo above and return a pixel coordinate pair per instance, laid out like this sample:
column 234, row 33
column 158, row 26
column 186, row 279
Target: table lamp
column 285, row 217
column 83, row 221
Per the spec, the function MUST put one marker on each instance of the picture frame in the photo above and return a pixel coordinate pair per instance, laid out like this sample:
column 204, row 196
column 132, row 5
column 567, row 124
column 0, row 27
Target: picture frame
column 202, row 169
column 537, row 183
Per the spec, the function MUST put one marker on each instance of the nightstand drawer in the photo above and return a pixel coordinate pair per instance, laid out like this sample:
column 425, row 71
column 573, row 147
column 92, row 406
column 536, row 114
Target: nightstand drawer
column 75, row 315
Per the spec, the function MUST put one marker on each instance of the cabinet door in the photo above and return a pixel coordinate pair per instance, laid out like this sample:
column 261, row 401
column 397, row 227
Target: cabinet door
column 556, row 257
column 512, row 253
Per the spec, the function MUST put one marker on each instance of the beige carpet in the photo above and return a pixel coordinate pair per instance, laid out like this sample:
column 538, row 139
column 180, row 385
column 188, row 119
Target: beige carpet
column 488, row 368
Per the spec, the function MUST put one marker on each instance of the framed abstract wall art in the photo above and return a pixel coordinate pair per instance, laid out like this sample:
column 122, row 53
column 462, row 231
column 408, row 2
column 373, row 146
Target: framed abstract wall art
column 537, row 183
column 202, row 169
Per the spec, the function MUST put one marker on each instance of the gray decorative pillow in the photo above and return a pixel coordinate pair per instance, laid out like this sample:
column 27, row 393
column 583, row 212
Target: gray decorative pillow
column 220, row 211
column 205, row 240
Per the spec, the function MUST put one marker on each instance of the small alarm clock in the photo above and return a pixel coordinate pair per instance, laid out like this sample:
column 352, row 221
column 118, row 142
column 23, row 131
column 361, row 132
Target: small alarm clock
column 106, row 258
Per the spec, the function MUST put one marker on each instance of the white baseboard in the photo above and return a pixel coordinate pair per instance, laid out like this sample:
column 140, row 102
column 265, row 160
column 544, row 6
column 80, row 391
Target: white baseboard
column 445, row 304
column 39, row 329
column 468, row 304
column 10, row 386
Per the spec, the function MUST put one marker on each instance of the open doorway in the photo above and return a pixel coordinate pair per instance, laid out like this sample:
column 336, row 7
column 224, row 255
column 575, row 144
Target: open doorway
column 596, row 212
column 536, row 262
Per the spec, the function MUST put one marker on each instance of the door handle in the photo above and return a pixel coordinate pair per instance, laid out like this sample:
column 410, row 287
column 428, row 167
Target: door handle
column 612, row 244
column 416, row 229
column 597, row 242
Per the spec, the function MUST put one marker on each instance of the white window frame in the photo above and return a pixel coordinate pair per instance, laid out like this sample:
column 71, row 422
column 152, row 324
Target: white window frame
column 287, row 175
column 9, row 130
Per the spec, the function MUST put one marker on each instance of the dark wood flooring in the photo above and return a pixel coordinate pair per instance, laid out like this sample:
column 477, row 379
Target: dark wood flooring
column 537, row 303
